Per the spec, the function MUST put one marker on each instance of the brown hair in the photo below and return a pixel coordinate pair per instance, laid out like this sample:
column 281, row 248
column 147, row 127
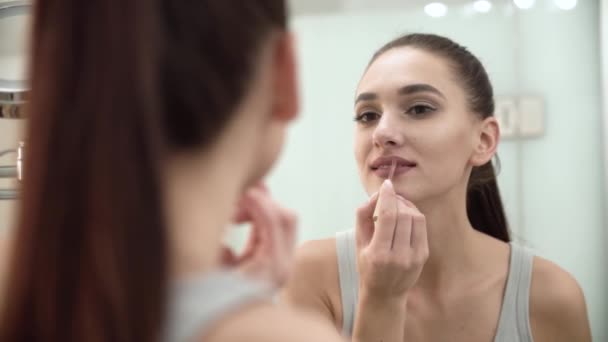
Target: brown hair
column 484, row 206
column 116, row 85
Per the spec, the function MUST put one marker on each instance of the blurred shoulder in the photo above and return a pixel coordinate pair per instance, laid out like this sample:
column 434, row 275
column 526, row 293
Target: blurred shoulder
column 272, row 323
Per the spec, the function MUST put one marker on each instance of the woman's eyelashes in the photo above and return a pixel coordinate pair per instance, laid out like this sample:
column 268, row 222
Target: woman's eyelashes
column 420, row 110
column 367, row 117
column 416, row 111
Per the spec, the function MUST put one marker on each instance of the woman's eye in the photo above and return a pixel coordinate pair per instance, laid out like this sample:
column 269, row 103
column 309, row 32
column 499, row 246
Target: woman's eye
column 420, row 110
column 367, row 117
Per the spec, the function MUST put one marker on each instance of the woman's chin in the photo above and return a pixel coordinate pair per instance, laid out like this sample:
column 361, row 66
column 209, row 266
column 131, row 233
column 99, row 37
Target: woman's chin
column 400, row 189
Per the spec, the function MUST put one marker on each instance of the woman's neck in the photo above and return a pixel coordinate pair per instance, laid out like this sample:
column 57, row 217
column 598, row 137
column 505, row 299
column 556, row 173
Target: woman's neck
column 453, row 243
column 201, row 199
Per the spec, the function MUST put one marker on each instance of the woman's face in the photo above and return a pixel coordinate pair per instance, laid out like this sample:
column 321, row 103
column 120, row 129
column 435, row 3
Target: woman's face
column 409, row 106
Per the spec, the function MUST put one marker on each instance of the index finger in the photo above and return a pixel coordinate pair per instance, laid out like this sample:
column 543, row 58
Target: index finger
column 241, row 215
column 386, row 213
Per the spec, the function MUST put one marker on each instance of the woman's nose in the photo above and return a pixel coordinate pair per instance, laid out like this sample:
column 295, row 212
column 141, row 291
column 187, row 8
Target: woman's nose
column 388, row 133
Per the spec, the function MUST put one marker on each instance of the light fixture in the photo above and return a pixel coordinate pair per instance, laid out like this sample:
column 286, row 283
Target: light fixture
column 566, row 5
column 482, row 6
column 436, row 9
column 524, row 4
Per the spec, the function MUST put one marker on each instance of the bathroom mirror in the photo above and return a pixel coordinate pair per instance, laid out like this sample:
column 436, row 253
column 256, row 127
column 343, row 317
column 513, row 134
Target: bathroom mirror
column 14, row 17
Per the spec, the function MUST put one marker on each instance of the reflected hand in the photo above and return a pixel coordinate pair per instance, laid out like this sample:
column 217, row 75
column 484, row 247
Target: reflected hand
column 393, row 249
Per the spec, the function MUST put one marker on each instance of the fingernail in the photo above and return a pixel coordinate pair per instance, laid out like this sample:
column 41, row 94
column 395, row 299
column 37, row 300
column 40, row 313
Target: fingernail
column 373, row 196
column 387, row 182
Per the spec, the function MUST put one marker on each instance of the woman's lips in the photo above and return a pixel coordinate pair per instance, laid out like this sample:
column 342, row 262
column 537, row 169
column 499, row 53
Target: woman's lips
column 384, row 170
column 382, row 166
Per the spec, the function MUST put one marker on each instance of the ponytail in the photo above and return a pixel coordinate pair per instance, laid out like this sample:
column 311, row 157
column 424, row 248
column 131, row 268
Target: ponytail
column 116, row 86
column 90, row 257
column 484, row 206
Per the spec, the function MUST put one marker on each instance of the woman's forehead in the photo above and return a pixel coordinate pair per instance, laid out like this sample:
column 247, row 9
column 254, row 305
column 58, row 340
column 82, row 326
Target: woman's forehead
column 404, row 66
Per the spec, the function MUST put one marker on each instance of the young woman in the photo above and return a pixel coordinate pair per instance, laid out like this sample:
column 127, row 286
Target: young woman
column 430, row 258
column 151, row 122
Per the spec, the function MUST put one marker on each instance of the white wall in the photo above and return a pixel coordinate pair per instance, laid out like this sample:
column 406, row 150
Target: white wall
column 555, row 207
column 563, row 181
column 604, row 55
column 604, row 65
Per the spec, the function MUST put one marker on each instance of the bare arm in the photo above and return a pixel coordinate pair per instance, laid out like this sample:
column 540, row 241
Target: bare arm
column 558, row 312
column 379, row 320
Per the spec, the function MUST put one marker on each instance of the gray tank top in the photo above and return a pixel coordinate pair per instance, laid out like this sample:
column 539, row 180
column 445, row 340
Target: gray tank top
column 514, row 322
column 198, row 304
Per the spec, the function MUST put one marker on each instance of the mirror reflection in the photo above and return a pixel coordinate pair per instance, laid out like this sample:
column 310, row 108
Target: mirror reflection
column 445, row 164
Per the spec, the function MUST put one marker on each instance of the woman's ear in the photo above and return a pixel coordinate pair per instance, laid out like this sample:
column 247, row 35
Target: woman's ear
column 487, row 142
column 285, row 83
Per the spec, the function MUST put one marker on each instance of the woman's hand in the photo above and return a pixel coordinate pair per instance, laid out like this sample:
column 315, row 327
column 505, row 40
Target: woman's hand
column 391, row 246
column 269, row 251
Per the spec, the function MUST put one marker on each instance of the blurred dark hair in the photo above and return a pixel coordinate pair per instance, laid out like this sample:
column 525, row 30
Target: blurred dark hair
column 484, row 205
column 116, row 85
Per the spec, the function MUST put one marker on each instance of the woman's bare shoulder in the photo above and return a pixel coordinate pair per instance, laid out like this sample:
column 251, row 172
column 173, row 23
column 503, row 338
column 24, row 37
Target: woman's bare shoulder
column 558, row 311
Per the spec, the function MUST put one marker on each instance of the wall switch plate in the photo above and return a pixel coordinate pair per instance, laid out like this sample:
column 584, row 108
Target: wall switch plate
column 531, row 116
column 520, row 116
